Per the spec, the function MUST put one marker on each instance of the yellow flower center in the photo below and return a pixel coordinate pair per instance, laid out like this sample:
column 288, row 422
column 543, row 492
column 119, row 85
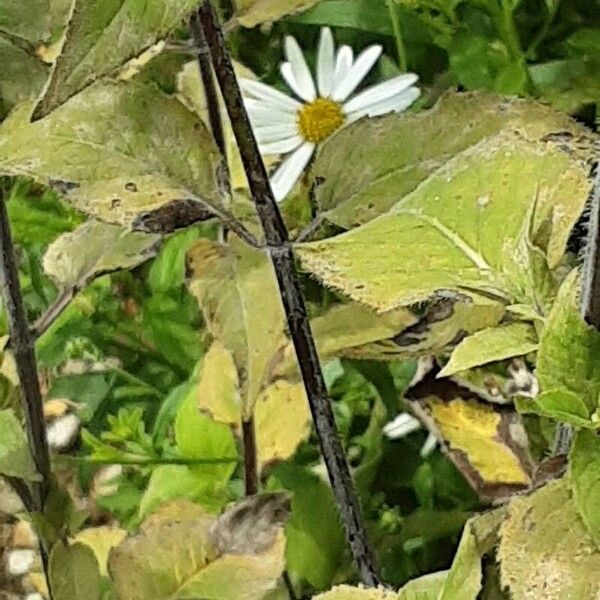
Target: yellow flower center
column 319, row 119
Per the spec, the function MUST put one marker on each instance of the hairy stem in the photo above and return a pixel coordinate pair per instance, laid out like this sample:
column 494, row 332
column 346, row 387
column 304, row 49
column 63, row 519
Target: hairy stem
column 250, row 457
column 590, row 298
column 22, row 344
column 282, row 256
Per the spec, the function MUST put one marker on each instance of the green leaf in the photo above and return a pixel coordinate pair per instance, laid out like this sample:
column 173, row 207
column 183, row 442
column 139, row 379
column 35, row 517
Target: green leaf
column 109, row 151
column 316, row 546
column 74, row 573
column 22, row 77
column 569, row 349
column 199, row 437
column 568, row 84
column 545, row 550
column 584, row 479
column 346, row 592
column 251, row 13
column 101, row 539
column 168, row 270
column 172, row 482
column 238, row 294
column 427, row 587
column 478, row 539
column 445, row 235
column 178, row 554
column 27, row 20
column 101, row 36
column 369, row 166
column 94, row 249
column 356, row 14
column 480, row 65
column 15, row 458
column 561, row 405
column 489, row 345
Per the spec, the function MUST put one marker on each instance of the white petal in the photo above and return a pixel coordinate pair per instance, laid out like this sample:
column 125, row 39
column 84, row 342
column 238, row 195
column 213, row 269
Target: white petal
column 282, row 146
column 290, row 170
column 343, row 63
column 381, row 91
column 266, row 134
column 364, row 63
column 429, row 446
column 19, row 561
column 396, row 104
column 262, row 113
column 61, row 432
column 325, row 63
column 301, row 73
column 401, row 426
column 269, row 94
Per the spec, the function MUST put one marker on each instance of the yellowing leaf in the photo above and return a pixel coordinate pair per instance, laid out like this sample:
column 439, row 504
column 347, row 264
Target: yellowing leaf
column 191, row 91
column 443, row 322
column 545, row 550
column 368, row 167
column 218, row 392
column 109, row 150
column 101, row 36
column 95, row 248
column 101, row 540
column 282, row 420
column 15, row 458
column 489, row 345
column 473, row 428
column 584, row 478
column 344, row 327
column 254, row 12
column 176, row 556
column 238, row 294
column 444, row 235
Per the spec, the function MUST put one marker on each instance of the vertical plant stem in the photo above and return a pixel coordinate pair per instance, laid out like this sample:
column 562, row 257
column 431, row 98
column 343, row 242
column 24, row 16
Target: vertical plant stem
column 210, row 91
column 250, row 457
column 22, row 344
column 590, row 298
column 23, row 350
column 400, row 47
column 282, row 256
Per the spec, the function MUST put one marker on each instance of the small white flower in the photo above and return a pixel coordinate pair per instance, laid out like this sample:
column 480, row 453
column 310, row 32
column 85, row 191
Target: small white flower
column 403, row 425
column 284, row 125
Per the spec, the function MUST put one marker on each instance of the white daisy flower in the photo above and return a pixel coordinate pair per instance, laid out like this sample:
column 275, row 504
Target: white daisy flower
column 285, row 125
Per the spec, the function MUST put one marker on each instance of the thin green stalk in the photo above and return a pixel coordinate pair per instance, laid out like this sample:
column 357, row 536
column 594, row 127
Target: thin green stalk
column 137, row 381
column 142, row 461
column 400, row 46
column 540, row 36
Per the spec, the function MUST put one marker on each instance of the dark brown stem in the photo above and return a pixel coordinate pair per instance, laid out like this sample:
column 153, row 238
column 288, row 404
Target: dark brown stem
column 250, row 457
column 282, row 256
column 22, row 344
column 22, row 490
column 23, row 350
column 210, row 90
